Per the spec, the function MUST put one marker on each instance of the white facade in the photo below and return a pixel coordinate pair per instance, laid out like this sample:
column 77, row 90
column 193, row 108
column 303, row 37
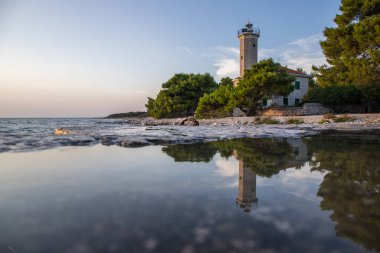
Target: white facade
column 295, row 96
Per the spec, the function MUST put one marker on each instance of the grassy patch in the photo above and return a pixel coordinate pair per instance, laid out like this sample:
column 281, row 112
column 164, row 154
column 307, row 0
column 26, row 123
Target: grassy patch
column 324, row 121
column 343, row 118
column 329, row 116
column 266, row 120
column 295, row 121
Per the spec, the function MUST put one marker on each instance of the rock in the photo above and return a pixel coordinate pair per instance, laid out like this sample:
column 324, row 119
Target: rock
column 237, row 112
column 189, row 122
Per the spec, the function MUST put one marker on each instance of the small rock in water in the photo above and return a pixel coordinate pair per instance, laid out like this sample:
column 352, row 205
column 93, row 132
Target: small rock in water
column 60, row 131
column 189, row 122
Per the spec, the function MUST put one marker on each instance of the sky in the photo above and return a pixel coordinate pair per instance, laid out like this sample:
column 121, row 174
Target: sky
column 90, row 58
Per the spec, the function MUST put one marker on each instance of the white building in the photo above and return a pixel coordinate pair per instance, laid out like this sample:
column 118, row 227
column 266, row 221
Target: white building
column 248, row 37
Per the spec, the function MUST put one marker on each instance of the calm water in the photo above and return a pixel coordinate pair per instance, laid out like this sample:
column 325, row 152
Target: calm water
column 312, row 194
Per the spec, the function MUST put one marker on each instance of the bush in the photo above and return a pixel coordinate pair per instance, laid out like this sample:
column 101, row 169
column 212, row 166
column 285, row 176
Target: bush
column 266, row 120
column 343, row 118
column 334, row 95
column 324, row 121
column 215, row 104
column 329, row 116
column 295, row 121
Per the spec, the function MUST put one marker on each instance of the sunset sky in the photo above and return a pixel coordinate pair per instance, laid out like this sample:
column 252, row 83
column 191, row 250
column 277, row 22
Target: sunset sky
column 75, row 58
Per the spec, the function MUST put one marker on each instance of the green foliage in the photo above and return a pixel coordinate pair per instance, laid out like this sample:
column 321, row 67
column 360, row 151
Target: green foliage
column 214, row 104
column 343, row 118
column 179, row 96
column 334, row 95
column 127, row 115
column 264, row 156
column 264, row 79
column 197, row 152
column 350, row 189
column 295, row 121
column 324, row 121
column 266, row 120
column 329, row 116
column 352, row 48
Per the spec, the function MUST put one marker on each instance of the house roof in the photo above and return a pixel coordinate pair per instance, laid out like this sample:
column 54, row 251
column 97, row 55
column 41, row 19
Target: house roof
column 296, row 72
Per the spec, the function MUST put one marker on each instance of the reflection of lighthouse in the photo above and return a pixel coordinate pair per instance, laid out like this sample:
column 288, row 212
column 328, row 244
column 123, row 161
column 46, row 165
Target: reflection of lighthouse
column 247, row 188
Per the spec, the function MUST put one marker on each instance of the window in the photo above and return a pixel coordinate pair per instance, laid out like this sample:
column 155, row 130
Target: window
column 265, row 102
column 254, row 45
column 296, row 101
column 285, row 101
column 241, row 57
column 297, row 85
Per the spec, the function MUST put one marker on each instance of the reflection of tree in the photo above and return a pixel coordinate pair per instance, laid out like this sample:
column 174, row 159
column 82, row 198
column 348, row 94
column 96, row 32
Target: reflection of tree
column 198, row 152
column 351, row 189
column 265, row 156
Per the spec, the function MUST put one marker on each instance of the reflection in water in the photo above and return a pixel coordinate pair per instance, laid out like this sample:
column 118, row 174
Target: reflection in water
column 110, row 199
column 351, row 188
column 247, row 188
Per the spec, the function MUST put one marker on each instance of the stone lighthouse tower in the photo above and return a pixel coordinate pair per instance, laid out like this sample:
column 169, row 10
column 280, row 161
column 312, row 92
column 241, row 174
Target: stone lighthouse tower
column 249, row 37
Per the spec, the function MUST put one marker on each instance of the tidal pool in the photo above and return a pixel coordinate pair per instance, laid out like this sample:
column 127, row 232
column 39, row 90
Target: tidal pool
column 312, row 194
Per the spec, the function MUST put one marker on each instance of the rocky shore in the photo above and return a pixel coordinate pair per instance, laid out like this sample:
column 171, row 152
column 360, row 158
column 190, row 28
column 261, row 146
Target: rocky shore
column 316, row 122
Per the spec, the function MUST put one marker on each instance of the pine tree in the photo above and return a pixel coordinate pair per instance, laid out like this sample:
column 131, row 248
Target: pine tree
column 352, row 48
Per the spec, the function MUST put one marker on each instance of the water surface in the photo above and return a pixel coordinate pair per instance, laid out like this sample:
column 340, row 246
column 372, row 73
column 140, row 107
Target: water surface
column 315, row 194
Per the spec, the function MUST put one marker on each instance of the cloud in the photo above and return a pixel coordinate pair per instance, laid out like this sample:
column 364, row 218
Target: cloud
column 300, row 53
column 227, row 67
column 227, row 168
column 226, row 61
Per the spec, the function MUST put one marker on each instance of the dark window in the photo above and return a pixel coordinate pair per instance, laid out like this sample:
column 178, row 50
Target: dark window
column 254, row 45
column 241, row 57
column 297, row 85
column 265, row 102
column 297, row 101
column 285, row 101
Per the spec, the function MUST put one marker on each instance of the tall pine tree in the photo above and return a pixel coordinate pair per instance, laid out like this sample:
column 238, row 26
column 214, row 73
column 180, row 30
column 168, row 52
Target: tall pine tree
column 352, row 48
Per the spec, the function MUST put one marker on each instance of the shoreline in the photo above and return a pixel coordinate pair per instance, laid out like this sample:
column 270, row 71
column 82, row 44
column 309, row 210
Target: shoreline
column 358, row 122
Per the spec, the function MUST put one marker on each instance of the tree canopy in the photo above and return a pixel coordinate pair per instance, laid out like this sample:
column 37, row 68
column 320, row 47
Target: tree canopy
column 352, row 48
column 179, row 96
column 215, row 104
column 263, row 80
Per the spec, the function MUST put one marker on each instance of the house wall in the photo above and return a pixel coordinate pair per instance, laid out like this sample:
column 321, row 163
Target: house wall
column 304, row 87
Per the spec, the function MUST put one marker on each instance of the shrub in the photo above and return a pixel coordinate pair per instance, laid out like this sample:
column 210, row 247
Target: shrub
column 266, row 120
column 343, row 118
column 329, row 116
column 295, row 121
column 215, row 104
column 334, row 95
column 324, row 121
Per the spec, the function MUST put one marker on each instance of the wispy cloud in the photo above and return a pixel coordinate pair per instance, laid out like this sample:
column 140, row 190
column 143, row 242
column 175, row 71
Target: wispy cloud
column 301, row 53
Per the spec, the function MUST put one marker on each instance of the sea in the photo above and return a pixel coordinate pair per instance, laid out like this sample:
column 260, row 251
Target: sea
column 109, row 186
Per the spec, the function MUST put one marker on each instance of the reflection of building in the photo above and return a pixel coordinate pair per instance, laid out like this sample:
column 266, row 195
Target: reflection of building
column 299, row 151
column 247, row 188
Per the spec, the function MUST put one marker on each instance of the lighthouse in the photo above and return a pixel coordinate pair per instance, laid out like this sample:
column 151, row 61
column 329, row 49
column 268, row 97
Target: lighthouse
column 249, row 37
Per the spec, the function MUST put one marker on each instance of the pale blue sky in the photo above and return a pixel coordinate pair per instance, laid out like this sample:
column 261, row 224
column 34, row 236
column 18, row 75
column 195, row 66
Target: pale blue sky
column 92, row 58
